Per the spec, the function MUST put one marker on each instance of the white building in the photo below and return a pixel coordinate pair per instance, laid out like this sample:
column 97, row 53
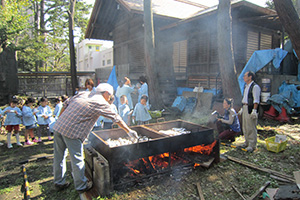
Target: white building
column 93, row 54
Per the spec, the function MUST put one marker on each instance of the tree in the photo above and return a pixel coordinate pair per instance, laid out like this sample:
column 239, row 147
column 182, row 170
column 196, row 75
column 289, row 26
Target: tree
column 149, row 46
column 13, row 22
column 47, row 40
column 228, row 72
column 290, row 21
column 71, row 45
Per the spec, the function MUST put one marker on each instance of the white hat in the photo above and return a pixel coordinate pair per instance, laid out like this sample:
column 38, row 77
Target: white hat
column 104, row 87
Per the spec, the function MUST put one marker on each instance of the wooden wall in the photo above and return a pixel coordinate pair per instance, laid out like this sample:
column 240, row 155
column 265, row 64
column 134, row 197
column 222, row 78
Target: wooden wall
column 129, row 54
column 201, row 53
column 202, row 48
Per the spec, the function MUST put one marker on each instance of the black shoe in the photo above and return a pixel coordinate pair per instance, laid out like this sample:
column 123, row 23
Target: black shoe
column 59, row 187
column 89, row 186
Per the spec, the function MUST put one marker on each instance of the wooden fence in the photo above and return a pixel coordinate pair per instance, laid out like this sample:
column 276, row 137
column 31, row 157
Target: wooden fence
column 47, row 84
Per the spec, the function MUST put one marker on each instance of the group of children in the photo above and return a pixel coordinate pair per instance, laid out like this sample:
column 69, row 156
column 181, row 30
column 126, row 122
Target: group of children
column 139, row 114
column 40, row 117
column 43, row 119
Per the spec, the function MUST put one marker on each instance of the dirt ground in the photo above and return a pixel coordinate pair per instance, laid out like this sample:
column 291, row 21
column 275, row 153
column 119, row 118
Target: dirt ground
column 215, row 181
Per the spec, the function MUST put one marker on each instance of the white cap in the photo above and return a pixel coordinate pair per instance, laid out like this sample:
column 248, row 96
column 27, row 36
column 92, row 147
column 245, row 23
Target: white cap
column 104, row 87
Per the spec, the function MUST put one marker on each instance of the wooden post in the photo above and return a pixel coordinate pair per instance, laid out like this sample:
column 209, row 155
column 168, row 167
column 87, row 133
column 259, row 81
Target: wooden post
column 200, row 191
column 227, row 67
column 149, row 45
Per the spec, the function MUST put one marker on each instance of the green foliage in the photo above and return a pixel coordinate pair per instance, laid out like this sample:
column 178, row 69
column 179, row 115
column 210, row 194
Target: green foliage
column 14, row 20
column 270, row 4
column 45, row 47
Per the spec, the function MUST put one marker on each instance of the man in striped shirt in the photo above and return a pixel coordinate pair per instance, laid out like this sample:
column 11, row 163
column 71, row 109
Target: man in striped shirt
column 77, row 118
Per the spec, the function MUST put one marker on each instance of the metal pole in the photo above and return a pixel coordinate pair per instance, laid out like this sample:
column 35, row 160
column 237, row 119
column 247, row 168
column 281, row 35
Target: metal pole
column 26, row 184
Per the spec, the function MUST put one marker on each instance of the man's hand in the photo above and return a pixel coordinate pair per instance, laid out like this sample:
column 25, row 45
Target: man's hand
column 240, row 112
column 254, row 114
column 133, row 134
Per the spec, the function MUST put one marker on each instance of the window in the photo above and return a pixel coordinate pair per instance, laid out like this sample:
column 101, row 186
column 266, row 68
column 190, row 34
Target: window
column 258, row 41
column 90, row 47
column 180, row 58
column 97, row 48
column 109, row 61
column 103, row 62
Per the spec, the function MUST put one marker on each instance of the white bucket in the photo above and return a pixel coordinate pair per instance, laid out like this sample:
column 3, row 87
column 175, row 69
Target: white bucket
column 266, row 85
column 265, row 96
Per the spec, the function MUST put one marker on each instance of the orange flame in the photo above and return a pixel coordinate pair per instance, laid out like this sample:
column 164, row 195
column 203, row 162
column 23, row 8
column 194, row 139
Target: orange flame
column 201, row 148
column 161, row 161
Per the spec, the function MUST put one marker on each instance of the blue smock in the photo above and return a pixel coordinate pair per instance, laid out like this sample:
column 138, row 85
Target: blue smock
column 141, row 113
column 57, row 110
column 124, row 111
column 125, row 90
column 11, row 117
column 43, row 111
column 29, row 118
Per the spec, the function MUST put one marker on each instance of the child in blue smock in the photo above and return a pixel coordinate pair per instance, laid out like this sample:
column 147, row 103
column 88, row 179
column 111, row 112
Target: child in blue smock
column 1, row 144
column 143, row 90
column 56, row 112
column 29, row 121
column 43, row 118
column 107, row 123
column 12, row 121
column 124, row 110
column 140, row 113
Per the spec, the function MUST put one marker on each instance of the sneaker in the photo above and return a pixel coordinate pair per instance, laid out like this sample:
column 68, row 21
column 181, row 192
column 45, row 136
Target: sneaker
column 50, row 138
column 28, row 143
column 59, row 187
column 1, row 144
column 39, row 140
column 35, row 140
column 9, row 146
column 19, row 144
column 89, row 186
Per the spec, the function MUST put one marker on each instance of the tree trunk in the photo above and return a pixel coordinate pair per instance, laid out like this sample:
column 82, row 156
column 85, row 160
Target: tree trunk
column 290, row 21
column 149, row 45
column 71, row 46
column 230, row 84
column 42, row 28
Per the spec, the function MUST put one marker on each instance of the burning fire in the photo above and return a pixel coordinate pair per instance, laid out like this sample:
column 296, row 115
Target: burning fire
column 161, row 161
column 201, row 148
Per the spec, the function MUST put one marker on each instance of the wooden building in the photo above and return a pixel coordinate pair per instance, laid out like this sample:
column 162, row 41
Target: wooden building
column 186, row 48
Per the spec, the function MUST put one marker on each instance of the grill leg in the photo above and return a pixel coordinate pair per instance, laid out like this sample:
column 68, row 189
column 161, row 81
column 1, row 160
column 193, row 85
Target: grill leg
column 216, row 152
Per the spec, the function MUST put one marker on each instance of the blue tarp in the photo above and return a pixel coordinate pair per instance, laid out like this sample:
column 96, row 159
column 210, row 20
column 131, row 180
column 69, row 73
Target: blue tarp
column 112, row 79
column 260, row 59
column 288, row 97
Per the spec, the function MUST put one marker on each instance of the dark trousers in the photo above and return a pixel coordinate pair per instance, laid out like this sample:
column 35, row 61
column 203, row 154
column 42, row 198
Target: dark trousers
column 225, row 132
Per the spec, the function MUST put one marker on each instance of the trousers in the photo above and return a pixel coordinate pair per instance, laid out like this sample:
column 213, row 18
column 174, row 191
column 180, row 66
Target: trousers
column 249, row 128
column 63, row 145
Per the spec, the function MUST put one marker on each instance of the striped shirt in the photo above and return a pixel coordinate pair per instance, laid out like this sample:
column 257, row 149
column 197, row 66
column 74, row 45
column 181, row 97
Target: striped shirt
column 80, row 114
